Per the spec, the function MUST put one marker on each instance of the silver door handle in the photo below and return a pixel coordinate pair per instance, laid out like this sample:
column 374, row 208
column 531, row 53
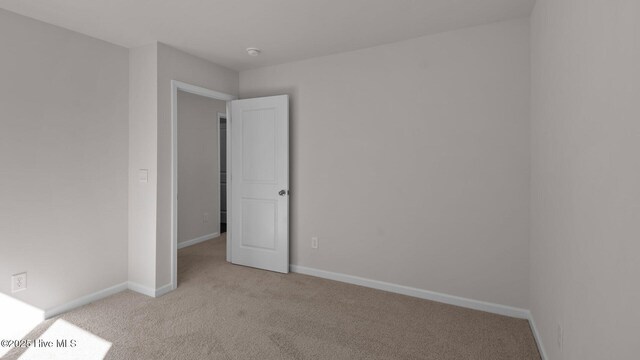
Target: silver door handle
column 283, row 192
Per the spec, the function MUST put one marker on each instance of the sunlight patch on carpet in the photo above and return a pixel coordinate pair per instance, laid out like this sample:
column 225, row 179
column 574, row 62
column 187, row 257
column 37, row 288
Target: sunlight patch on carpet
column 17, row 320
column 64, row 340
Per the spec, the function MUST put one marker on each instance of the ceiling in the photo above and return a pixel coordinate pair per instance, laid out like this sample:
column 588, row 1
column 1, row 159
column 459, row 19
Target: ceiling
column 286, row 30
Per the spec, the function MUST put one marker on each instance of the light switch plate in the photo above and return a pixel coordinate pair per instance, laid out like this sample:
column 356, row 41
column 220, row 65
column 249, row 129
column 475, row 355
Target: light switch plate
column 143, row 175
column 19, row 282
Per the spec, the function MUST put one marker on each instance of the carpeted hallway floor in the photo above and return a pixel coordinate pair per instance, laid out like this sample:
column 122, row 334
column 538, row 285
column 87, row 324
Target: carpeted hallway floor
column 223, row 311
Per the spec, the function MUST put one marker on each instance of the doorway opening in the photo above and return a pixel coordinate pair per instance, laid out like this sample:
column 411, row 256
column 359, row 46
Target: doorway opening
column 195, row 167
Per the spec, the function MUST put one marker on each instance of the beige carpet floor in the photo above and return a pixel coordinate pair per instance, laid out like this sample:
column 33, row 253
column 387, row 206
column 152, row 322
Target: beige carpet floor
column 224, row 311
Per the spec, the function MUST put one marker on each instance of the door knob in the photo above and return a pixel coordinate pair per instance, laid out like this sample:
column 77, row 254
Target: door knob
column 283, row 192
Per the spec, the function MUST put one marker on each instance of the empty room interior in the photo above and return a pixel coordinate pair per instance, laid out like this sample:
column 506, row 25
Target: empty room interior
column 320, row 179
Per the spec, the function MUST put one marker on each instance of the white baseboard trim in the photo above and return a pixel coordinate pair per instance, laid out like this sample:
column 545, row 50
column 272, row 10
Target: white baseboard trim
column 415, row 292
column 144, row 290
column 536, row 335
column 163, row 290
column 49, row 313
column 197, row 240
column 101, row 294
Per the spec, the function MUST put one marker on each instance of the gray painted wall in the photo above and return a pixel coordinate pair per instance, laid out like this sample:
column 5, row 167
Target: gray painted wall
column 63, row 156
column 585, row 175
column 410, row 161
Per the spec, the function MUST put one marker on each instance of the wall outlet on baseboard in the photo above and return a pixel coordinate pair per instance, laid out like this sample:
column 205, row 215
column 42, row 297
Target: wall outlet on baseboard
column 19, row 282
column 314, row 242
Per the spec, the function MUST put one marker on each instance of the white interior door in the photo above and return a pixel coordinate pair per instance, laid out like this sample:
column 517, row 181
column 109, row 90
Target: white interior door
column 260, row 183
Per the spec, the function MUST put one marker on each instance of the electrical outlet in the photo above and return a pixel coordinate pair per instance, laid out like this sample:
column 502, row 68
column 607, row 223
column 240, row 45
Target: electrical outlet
column 314, row 242
column 560, row 338
column 19, row 282
column 205, row 218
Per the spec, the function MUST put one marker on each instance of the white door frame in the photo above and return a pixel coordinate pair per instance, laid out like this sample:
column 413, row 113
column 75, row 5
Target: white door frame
column 197, row 90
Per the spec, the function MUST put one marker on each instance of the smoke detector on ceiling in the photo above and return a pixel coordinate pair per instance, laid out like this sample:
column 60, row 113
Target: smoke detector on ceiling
column 253, row 51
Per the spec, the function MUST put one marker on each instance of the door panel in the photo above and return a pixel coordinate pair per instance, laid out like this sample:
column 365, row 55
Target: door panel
column 257, row 228
column 259, row 171
column 258, row 146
